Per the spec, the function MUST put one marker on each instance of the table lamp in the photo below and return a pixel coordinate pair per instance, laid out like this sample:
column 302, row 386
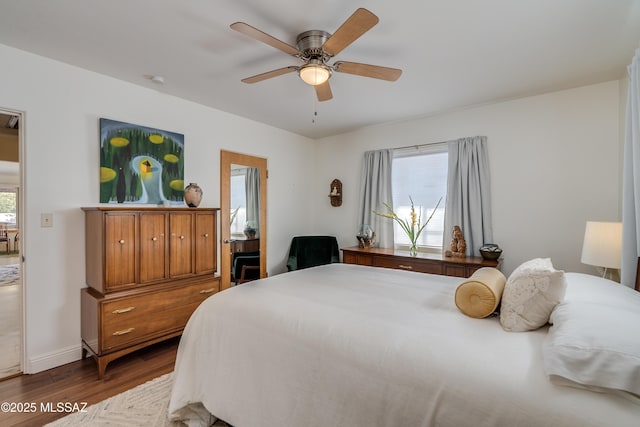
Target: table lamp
column 602, row 247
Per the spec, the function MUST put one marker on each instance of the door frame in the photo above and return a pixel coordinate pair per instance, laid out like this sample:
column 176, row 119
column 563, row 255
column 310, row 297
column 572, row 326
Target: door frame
column 21, row 220
column 227, row 158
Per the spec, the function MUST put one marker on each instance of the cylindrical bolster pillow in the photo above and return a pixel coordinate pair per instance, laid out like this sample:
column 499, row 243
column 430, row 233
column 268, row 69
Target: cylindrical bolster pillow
column 480, row 294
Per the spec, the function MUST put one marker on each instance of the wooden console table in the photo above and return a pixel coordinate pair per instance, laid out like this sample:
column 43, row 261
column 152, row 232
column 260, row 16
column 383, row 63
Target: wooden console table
column 423, row 263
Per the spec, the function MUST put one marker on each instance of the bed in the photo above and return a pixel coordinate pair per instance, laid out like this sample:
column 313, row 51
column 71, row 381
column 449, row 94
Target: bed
column 348, row 345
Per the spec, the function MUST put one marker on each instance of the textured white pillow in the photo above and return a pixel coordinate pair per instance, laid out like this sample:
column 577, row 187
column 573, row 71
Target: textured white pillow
column 592, row 342
column 530, row 294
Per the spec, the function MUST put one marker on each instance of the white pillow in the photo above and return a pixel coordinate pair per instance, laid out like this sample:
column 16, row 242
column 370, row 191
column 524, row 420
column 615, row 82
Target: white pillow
column 530, row 294
column 592, row 341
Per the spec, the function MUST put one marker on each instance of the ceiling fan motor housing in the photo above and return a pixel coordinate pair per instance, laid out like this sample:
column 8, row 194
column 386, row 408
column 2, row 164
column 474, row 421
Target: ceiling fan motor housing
column 310, row 44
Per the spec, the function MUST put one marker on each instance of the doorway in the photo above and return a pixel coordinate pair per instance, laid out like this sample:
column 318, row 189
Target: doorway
column 11, row 292
column 243, row 226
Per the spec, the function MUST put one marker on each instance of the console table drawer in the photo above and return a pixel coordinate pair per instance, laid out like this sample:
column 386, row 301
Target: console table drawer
column 407, row 264
column 356, row 258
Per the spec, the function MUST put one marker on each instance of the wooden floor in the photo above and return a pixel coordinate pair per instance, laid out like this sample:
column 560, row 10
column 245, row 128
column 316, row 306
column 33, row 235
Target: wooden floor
column 78, row 382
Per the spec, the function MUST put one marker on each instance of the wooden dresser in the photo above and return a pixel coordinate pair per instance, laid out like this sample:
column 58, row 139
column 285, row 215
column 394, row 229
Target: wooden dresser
column 147, row 269
column 423, row 263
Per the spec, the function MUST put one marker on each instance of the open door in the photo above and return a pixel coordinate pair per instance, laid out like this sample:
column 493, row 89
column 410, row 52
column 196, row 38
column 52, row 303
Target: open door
column 243, row 226
column 11, row 229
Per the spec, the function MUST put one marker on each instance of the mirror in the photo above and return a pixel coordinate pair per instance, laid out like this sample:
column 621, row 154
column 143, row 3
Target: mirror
column 243, row 213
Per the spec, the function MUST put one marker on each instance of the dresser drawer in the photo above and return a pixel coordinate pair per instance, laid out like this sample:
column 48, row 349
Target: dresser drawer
column 456, row 270
column 137, row 318
column 419, row 265
column 356, row 258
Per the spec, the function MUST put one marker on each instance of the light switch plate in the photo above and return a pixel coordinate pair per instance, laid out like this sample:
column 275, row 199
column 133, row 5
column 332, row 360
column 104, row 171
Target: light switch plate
column 46, row 220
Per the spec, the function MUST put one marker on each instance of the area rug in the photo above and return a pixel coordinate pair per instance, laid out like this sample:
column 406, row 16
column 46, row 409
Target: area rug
column 145, row 405
column 9, row 275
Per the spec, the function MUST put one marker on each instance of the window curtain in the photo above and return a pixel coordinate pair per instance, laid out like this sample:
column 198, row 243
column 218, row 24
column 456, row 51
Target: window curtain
column 469, row 193
column 252, row 191
column 631, row 178
column 375, row 190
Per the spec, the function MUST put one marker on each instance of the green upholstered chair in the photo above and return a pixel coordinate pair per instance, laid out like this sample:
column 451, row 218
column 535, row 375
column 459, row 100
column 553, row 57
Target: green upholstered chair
column 246, row 266
column 310, row 251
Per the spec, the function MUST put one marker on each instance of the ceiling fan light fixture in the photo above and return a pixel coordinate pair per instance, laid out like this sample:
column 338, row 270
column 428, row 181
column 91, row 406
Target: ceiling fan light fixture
column 314, row 74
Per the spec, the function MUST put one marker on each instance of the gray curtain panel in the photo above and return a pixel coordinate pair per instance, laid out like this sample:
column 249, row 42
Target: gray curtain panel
column 469, row 193
column 375, row 189
column 252, row 188
column 631, row 186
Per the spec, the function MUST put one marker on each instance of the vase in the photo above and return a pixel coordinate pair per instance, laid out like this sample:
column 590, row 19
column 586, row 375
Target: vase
column 413, row 249
column 192, row 195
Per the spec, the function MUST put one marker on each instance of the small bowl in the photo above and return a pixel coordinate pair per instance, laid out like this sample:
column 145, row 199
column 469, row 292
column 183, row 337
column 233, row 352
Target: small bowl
column 490, row 252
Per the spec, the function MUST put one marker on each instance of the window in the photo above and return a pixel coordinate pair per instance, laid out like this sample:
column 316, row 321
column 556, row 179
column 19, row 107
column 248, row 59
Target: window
column 238, row 202
column 8, row 207
column 422, row 174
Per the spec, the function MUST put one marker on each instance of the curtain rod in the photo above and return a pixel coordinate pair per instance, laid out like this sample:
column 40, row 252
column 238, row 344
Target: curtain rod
column 418, row 146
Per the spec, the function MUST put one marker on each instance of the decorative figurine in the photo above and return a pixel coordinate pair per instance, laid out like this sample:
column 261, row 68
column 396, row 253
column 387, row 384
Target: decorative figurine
column 458, row 244
column 366, row 236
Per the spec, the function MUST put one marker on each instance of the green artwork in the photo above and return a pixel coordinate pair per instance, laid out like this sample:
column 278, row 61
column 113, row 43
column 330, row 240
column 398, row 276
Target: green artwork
column 139, row 164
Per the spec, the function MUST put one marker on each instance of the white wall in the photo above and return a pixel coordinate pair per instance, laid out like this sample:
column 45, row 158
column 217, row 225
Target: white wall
column 554, row 160
column 62, row 105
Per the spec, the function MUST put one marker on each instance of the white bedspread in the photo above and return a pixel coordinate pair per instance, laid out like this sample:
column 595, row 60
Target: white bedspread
column 346, row 345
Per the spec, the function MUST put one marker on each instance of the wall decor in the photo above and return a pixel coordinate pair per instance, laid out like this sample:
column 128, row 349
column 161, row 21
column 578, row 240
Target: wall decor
column 336, row 193
column 139, row 164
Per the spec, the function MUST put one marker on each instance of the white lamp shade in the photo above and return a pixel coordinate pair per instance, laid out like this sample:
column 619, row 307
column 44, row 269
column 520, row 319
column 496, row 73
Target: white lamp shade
column 602, row 245
column 314, row 74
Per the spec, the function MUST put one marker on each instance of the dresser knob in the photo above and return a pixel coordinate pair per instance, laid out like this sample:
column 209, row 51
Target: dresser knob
column 181, row 237
column 154, row 239
column 405, row 267
column 206, row 234
column 124, row 331
column 121, row 242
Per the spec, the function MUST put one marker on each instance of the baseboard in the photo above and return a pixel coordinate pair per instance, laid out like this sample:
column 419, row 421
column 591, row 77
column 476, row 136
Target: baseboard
column 53, row 359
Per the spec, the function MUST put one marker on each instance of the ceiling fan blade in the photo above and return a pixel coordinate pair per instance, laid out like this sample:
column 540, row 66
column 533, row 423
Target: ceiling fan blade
column 323, row 91
column 269, row 74
column 366, row 70
column 359, row 23
column 263, row 37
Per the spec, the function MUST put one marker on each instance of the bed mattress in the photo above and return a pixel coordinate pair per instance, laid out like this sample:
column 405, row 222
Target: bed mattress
column 348, row 345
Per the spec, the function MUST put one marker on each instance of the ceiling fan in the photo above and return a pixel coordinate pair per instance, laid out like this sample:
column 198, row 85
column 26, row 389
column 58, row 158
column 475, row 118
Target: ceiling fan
column 315, row 48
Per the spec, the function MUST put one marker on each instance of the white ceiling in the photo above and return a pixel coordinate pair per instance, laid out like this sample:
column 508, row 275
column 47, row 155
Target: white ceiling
column 454, row 53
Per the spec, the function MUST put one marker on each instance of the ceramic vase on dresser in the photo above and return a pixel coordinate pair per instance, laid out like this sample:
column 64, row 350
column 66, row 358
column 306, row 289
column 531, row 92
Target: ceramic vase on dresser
column 192, row 195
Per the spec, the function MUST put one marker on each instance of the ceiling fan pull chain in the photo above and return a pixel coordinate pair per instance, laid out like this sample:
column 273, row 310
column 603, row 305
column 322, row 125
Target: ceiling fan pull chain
column 315, row 110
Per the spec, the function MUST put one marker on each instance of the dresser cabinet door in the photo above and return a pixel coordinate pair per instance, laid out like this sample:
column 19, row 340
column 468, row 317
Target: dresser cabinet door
column 180, row 244
column 205, row 243
column 120, row 250
column 153, row 247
